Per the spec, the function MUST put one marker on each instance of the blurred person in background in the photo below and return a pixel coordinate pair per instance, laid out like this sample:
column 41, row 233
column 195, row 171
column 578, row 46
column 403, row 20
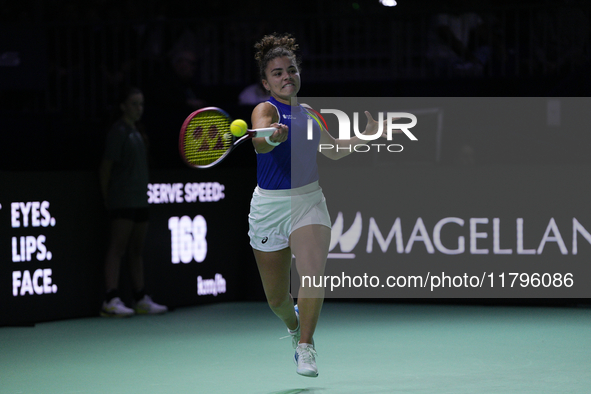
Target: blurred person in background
column 124, row 178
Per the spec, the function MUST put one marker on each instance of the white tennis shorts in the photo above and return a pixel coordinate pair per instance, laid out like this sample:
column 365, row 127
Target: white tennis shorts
column 275, row 214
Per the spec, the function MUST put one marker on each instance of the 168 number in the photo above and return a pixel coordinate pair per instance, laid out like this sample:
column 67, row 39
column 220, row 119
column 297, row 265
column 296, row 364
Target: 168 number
column 188, row 239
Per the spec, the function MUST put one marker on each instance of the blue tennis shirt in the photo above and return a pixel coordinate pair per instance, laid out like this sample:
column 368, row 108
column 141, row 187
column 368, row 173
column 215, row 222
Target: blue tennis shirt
column 292, row 163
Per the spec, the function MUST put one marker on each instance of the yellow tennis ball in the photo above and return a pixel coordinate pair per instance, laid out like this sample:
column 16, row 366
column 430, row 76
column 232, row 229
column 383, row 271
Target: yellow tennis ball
column 238, row 127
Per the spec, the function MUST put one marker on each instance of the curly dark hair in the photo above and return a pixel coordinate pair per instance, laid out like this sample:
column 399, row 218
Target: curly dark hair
column 273, row 46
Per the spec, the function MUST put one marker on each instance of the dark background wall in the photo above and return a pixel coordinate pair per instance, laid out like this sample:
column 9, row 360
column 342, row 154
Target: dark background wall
column 63, row 64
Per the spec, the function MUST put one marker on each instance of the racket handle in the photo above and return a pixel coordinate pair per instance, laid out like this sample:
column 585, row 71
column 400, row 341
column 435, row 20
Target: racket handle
column 266, row 132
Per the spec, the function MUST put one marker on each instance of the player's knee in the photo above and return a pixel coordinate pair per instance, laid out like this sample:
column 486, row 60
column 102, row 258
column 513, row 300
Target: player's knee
column 312, row 267
column 276, row 302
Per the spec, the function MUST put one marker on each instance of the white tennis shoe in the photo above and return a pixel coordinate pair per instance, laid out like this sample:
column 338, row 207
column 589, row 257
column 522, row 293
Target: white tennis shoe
column 116, row 308
column 146, row 306
column 305, row 359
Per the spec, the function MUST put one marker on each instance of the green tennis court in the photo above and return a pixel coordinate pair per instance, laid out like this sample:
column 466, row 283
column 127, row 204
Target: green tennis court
column 362, row 348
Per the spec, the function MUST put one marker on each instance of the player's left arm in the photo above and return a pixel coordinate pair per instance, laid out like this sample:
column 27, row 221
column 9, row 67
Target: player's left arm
column 335, row 148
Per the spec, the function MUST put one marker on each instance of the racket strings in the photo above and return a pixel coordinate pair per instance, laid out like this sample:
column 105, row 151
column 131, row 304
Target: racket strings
column 207, row 138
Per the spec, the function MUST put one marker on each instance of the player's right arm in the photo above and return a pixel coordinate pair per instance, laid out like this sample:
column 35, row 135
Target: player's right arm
column 265, row 115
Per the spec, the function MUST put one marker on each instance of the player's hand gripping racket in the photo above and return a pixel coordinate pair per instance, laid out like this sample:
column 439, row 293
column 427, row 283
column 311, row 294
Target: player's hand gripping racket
column 205, row 139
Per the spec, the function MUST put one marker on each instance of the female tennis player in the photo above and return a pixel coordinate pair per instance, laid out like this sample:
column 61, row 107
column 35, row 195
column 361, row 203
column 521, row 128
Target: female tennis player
column 288, row 213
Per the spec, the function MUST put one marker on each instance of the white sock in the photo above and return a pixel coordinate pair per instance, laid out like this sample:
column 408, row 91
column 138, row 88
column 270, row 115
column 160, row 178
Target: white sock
column 297, row 328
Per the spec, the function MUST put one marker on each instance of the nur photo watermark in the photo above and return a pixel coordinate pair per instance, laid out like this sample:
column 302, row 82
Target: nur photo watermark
column 344, row 130
column 444, row 198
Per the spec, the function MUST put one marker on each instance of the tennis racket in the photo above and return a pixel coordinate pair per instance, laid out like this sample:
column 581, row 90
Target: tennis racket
column 205, row 139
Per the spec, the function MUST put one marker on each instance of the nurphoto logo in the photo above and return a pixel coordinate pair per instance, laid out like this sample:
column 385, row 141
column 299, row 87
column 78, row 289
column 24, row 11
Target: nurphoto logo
column 345, row 130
